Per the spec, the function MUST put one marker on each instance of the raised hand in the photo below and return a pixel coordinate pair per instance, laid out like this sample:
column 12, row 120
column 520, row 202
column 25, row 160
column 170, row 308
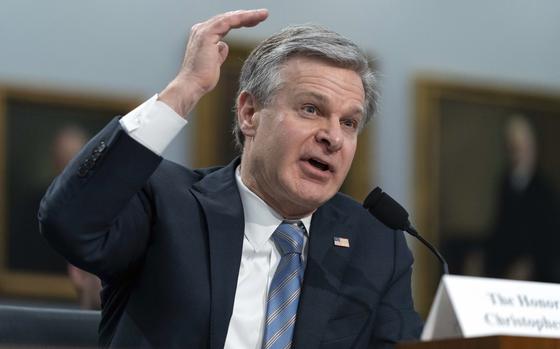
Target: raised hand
column 204, row 56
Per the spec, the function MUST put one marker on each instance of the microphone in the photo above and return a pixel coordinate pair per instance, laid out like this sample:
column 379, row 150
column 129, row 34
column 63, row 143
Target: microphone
column 393, row 215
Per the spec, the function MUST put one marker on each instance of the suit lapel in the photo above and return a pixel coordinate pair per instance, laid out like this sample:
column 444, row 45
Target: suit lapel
column 323, row 274
column 219, row 198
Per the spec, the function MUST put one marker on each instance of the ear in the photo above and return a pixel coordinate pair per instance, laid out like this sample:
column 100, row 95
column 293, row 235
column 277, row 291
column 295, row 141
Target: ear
column 247, row 116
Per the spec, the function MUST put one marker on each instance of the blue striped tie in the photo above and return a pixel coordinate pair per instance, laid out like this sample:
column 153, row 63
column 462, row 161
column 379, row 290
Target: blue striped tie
column 283, row 295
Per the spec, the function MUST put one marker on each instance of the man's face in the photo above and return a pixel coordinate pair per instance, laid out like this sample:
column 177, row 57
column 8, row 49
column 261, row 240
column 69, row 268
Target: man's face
column 299, row 148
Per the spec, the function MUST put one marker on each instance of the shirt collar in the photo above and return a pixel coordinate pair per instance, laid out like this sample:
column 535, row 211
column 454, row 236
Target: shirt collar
column 260, row 219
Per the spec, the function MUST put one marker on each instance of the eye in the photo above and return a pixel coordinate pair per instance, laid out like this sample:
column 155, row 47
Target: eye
column 350, row 123
column 310, row 109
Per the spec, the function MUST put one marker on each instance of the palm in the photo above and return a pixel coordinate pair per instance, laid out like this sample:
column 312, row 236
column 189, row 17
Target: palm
column 205, row 50
column 204, row 56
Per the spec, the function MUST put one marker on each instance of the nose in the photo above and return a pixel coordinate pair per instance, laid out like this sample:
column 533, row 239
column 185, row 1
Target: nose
column 331, row 136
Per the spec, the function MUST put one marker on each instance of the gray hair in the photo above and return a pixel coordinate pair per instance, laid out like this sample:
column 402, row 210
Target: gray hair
column 260, row 74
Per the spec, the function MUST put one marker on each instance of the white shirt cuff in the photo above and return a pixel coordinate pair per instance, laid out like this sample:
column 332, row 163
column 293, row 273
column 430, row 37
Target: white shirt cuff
column 153, row 124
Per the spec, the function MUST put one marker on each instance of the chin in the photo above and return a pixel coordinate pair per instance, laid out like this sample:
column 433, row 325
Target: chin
column 313, row 198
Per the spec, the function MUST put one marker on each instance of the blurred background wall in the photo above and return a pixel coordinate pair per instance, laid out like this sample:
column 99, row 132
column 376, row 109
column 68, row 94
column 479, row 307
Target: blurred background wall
column 133, row 48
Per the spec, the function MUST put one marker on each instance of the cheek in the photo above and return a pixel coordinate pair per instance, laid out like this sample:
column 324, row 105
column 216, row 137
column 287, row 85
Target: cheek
column 349, row 152
column 286, row 143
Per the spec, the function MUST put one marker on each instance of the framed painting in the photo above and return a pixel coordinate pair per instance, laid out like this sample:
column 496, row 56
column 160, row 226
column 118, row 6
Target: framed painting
column 487, row 178
column 40, row 131
column 214, row 121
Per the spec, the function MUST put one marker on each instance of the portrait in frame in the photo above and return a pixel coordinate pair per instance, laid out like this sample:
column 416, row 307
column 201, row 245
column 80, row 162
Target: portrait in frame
column 40, row 131
column 464, row 156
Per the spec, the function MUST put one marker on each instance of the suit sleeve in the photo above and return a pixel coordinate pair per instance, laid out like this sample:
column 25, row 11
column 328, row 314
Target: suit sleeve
column 396, row 319
column 97, row 212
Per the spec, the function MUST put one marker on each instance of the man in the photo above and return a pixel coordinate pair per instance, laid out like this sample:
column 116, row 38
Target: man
column 527, row 212
column 262, row 253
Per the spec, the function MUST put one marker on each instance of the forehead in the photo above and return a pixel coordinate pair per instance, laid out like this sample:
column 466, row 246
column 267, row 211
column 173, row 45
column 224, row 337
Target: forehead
column 301, row 74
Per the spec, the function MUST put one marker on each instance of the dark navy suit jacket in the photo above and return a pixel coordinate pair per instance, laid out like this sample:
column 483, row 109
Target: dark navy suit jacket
column 167, row 241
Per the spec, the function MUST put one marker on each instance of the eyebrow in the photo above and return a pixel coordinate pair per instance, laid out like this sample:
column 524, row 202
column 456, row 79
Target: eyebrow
column 323, row 99
column 315, row 95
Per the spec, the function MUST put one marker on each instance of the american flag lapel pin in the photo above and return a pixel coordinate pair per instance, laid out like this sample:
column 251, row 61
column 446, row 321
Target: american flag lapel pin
column 341, row 242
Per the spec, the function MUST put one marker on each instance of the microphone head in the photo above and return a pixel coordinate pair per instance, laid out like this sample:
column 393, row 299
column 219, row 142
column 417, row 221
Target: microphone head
column 387, row 210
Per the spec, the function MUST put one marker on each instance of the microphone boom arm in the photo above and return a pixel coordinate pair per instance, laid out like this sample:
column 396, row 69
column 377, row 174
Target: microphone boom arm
column 412, row 231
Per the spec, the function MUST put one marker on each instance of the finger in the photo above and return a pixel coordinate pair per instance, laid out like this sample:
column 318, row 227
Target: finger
column 223, row 23
column 248, row 18
column 223, row 49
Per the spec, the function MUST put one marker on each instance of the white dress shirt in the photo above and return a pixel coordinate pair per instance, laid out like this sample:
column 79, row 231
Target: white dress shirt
column 154, row 125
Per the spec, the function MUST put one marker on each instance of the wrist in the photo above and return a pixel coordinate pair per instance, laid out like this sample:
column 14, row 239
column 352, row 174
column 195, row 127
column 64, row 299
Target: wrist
column 182, row 97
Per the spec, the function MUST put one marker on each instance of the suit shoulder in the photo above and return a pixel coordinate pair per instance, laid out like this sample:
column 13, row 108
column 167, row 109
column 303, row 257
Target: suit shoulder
column 350, row 206
column 344, row 199
column 170, row 172
column 358, row 213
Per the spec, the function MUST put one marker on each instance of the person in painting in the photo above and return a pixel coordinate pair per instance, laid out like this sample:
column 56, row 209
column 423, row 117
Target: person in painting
column 261, row 253
column 67, row 143
column 526, row 235
column 25, row 240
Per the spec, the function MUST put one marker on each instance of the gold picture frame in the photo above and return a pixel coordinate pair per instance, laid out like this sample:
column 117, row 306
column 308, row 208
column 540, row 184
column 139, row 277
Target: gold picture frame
column 29, row 121
column 460, row 155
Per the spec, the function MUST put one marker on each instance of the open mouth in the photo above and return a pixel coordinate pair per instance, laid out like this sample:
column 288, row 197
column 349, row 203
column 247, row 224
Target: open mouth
column 318, row 164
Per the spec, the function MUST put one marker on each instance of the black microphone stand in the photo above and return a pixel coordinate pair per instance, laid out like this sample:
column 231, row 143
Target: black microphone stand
column 439, row 256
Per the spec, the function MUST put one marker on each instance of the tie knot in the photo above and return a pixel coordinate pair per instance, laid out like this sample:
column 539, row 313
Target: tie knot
column 289, row 237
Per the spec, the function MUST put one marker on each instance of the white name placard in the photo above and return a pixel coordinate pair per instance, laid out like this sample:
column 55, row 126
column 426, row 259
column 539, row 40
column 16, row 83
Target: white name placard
column 471, row 307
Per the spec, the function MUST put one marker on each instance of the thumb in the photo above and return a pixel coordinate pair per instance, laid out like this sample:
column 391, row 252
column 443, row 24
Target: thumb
column 223, row 50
